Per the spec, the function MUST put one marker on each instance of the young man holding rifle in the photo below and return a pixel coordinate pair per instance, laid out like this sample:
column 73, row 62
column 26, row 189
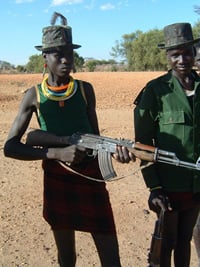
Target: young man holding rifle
column 167, row 115
column 64, row 106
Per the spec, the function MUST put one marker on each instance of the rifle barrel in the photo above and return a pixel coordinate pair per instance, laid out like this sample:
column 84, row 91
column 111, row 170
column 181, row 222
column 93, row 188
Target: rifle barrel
column 177, row 162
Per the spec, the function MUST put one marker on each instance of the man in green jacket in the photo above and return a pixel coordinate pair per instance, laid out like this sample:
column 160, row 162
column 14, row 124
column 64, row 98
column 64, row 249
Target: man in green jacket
column 167, row 115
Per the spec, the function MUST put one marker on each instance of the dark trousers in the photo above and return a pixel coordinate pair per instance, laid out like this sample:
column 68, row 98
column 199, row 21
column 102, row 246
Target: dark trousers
column 177, row 235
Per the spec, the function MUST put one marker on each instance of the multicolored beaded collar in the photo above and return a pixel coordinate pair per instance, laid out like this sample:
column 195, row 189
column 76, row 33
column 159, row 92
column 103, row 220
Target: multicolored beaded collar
column 60, row 93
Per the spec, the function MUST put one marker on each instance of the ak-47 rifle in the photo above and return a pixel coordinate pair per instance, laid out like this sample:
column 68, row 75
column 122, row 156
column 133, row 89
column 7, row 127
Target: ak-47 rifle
column 156, row 242
column 105, row 146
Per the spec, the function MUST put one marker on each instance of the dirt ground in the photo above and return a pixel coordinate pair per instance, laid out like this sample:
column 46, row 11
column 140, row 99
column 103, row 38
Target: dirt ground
column 25, row 238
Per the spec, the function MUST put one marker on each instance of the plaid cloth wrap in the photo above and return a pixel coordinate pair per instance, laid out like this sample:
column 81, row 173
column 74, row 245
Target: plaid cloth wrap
column 74, row 202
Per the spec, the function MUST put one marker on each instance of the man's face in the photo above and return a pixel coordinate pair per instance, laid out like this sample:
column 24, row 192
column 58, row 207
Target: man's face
column 181, row 59
column 59, row 61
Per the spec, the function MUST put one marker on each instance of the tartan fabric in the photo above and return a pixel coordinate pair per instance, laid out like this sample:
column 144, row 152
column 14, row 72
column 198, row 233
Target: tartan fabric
column 74, row 202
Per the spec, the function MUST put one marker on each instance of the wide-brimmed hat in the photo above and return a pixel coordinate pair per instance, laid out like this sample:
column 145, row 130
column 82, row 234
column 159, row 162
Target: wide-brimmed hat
column 57, row 35
column 178, row 34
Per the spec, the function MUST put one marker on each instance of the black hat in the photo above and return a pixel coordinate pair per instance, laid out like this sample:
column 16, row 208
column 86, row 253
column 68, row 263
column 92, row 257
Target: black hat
column 57, row 35
column 176, row 35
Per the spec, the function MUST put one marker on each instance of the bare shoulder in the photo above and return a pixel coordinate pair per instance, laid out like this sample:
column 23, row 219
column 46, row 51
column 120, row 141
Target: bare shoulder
column 87, row 86
column 24, row 114
column 30, row 91
column 30, row 97
column 88, row 89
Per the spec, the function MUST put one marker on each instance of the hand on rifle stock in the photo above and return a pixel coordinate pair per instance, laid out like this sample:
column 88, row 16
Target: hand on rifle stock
column 123, row 155
column 158, row 200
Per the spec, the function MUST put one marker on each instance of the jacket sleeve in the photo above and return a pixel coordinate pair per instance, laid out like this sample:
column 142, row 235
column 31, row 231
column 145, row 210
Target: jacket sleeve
column 145, row 123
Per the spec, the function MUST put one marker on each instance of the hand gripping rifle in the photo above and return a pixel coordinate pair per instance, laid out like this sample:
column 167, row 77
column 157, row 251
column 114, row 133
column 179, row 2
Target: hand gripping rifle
column 104, row 147
column 156, row 242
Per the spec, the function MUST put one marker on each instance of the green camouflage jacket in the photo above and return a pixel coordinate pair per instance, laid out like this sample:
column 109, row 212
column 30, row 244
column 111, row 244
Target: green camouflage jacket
column 164, row 117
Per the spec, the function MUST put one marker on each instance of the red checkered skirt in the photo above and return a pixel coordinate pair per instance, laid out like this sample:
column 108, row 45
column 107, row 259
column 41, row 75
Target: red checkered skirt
column 74, row 202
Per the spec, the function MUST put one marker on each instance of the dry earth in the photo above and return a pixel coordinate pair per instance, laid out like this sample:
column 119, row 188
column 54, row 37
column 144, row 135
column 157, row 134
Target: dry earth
column 25, row 238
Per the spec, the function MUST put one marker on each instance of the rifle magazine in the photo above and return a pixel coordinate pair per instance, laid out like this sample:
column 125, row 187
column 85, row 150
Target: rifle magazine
column 105, row 165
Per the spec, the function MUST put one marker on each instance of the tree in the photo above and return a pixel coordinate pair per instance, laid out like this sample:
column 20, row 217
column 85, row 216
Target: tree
column 91, row 65
column 145, row 52
column 4, row 65
column 35, row 64
column 21, row 68
column 141, row 51
column 196, row 29
column 78, row 62
column 123, row 48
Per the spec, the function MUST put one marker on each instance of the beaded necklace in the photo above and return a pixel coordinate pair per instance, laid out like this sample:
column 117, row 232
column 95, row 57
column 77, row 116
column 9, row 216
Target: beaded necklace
column 59, row 93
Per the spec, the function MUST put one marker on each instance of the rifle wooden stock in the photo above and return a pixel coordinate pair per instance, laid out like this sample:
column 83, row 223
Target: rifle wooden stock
column 144, row 152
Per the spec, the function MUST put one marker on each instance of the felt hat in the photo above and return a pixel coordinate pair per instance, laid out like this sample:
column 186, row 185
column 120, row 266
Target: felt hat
column 57, row 35
column 176, row 35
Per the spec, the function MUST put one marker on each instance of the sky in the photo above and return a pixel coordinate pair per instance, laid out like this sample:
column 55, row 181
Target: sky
column 96, row 24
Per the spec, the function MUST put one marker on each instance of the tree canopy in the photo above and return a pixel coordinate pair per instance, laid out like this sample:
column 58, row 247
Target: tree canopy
column 140, row 49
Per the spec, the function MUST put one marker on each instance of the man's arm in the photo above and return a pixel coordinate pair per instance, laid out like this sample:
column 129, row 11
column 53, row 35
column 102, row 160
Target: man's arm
column 145, row 126
column 45, row 139
column 91, row 106
column 15, row 148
